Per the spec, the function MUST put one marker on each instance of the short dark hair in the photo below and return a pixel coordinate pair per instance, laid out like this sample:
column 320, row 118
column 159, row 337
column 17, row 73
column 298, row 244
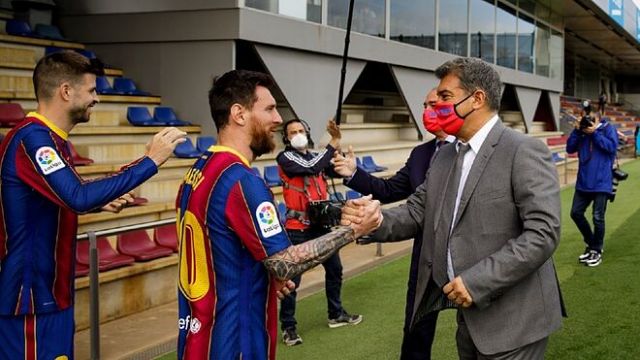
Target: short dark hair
column 54, row 69
column 285, row 127
column 474, row 74
column 234, row 87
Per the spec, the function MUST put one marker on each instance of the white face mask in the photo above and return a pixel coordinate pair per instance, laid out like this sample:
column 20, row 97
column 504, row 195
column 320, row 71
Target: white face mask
column 299, row 141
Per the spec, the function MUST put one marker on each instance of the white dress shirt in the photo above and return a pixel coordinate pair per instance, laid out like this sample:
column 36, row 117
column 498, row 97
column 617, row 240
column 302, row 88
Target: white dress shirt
column 476, row 143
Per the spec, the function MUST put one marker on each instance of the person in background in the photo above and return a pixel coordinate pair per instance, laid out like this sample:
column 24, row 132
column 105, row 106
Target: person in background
column 602, row 102
column 596, row 142
column 303, row 172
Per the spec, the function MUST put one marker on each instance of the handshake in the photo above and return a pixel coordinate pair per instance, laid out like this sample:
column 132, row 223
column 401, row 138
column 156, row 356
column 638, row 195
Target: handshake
column 363, row 215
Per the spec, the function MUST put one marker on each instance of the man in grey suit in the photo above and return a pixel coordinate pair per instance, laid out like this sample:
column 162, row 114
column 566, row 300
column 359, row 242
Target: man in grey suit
column 489, row 212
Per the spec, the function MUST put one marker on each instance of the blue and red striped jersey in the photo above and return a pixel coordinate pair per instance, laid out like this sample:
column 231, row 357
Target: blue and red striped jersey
column 40, row 195
column 227, row 224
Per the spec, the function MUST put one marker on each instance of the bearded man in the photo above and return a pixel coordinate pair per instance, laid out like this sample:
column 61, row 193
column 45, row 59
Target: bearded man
column 234, row 254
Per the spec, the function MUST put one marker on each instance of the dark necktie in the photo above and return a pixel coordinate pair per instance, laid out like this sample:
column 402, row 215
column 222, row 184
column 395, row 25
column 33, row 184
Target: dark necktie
column 446, row 218
column 439, row 144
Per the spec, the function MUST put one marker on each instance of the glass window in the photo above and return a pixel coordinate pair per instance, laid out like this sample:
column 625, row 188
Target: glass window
column 312, row 11
column 543, row 35
column 506, row 36
column 482, row 28
column 452, row 33
column 413, row 22
column 368, row 15
column 266, row 5
column 556, row 54
column 526, row 32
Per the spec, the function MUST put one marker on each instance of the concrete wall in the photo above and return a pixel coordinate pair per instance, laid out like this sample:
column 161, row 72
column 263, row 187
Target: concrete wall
column 249, row 24
column 181, row 72
column 189, row 44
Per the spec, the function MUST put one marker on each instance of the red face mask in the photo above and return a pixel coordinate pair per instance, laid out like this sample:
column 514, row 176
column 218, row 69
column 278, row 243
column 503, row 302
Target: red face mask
column 448, row 117
column 430, row 121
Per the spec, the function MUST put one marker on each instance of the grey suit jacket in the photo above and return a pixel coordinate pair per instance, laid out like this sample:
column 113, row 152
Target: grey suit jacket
column 507, row 228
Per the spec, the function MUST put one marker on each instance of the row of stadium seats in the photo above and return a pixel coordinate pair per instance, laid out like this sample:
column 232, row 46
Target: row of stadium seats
column 12, row 113
column 42, row 31
column 272, row 177
column 132, row 246
column 162, row 116
column 187, row 150
column 121, row 86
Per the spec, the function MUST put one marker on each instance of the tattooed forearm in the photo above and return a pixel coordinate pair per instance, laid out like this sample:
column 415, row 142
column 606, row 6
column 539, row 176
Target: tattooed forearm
column 297, row 259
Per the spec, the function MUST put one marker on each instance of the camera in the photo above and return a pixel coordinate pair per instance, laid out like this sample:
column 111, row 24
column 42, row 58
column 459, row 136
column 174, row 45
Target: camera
column 324, row 214
column 618, row 175
column 587, row 120
column 614, row 190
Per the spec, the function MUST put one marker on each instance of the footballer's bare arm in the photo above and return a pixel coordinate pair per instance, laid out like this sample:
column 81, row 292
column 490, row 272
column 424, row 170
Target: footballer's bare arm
column 297, row 259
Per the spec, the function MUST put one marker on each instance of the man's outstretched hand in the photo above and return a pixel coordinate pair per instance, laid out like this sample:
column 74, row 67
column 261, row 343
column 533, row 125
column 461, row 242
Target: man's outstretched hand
column 345, row 165
column 364, row 215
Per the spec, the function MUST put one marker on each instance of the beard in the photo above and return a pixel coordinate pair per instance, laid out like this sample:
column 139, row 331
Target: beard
column 80, row 114
column 261, row 141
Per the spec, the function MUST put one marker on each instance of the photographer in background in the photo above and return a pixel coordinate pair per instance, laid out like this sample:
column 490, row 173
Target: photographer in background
column 303, row 176
column 596, row 141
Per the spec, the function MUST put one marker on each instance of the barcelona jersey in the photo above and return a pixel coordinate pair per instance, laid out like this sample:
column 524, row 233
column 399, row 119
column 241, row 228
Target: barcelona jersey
column 227, row 224
column 40, row 194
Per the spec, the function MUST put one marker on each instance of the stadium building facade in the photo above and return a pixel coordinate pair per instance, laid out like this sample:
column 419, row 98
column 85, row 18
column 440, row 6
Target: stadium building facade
column 542, row 49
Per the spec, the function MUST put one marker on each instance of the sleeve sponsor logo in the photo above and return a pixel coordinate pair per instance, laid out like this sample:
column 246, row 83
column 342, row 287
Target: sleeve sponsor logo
column 268, row 219
column 49, row 160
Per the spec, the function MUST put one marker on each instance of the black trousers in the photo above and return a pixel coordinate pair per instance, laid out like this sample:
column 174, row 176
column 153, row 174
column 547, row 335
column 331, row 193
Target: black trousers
column 417, row 340
column 333, row 283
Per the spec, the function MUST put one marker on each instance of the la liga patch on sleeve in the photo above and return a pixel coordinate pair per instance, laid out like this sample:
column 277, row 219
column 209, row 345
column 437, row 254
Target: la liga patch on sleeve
column 48, row 160
column 268, row 219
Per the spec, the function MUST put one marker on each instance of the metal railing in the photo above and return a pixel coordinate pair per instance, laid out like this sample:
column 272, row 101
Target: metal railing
column 94, row 283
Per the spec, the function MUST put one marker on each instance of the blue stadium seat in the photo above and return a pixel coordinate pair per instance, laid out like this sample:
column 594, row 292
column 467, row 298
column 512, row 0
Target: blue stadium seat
column 352, row 194
column 271, row 175
column 140, row 116
column 19, row 28
column 282, row 212
column 186, row 150
column 166, row 115
column 203, row 143
column 103, row 87
column 128, row 87
column 370, row 166
column 49, row 32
